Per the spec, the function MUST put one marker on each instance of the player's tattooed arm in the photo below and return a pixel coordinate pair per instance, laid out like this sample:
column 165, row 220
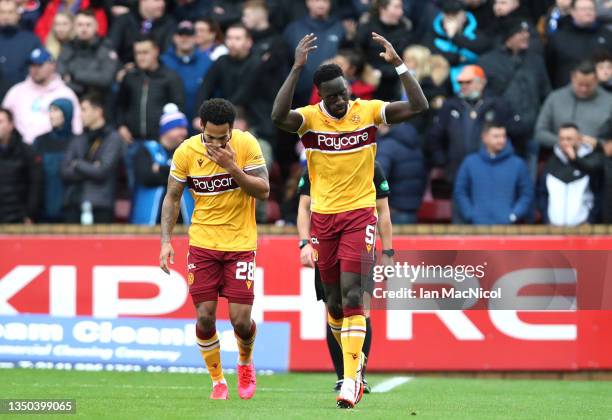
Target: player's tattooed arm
column 282, row 115
column 170, row 210
column 254, row 182
column 400, row 111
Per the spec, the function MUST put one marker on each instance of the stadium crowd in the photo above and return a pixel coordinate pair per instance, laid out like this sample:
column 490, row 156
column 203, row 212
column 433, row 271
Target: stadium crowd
column 96, row 95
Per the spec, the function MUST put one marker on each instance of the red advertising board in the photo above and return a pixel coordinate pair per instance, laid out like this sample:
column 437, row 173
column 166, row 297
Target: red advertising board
column 117, row 276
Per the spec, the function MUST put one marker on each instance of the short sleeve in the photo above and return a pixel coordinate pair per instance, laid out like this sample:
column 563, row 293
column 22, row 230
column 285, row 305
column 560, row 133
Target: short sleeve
column 381, row 183
column 307, row 114
column 179, row 168
column 254, row 157
column 378, row 111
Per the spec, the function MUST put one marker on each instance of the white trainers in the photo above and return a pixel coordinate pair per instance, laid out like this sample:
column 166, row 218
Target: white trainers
column 352, row 390
column 346, row 397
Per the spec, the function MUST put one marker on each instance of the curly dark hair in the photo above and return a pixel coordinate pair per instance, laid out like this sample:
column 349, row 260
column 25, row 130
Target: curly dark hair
column 218, row 111
column 325, row 73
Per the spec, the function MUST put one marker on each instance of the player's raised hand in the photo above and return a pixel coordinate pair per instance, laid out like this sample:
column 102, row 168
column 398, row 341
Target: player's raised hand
column 389, row 55
column 167, row 252
column 225, row 157
column 305, row 45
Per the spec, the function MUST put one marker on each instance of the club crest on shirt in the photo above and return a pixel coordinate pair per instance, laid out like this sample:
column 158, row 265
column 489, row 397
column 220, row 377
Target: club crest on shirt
column 356, row 119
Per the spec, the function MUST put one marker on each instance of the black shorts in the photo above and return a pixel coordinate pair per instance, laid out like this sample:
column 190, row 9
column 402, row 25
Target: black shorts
column 368, row 285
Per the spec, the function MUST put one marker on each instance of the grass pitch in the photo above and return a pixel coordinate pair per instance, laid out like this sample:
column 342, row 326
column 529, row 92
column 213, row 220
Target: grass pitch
column 136, row 396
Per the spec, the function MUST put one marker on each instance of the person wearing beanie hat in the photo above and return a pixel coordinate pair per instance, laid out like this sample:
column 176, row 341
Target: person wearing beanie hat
column 152, row 167
column 505, row 11
column 171, row 118
column 51, row 147
column 518, row 74
column 515, row 26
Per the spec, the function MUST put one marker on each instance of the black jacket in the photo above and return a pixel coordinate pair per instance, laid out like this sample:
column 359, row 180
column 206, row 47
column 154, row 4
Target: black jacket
column 569, row 45
column 232, row 79
column 143, row 169
column 20, row 181
column 456, row 131
column 271, row 52
column 401, row 158
column 498, row 23
column 89, row 65
column 126, row 29
column 569, row 192
column 606, row 204
column 87, row 180
column 153, row 90
column 400, row 36
column 521, row 80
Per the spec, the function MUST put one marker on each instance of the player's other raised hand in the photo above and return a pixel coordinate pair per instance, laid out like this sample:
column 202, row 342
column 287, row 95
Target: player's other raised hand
column 389, row 55
column 305, row 45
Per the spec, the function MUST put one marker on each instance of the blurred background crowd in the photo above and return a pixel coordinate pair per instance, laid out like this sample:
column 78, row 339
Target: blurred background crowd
column 97, row 94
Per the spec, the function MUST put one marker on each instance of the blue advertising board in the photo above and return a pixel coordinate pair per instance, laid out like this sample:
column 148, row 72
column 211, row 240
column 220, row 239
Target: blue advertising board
column 146, row 343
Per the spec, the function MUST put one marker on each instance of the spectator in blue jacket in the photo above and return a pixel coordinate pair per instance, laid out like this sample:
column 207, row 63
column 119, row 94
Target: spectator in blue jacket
column 51, row 147
column 15, row 47
column 152, row 167
column 493, row 186
column 188, row 62
column 330, row 34
column 400, row 156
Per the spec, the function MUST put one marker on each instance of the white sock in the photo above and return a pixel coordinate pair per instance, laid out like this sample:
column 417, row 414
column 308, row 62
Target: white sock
column 222, row 381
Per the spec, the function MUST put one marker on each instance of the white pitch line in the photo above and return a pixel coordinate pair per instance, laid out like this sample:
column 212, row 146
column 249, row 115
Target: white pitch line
column 394, row 382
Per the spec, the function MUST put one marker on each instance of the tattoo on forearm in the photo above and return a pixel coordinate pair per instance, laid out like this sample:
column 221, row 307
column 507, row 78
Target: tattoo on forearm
column 261, row 172
column 170, row 208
